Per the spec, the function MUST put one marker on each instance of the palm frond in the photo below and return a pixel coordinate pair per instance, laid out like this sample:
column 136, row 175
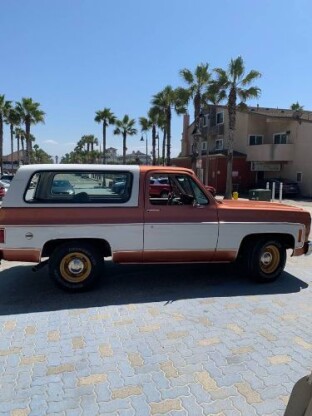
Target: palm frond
column 251, row 76
column 236, row 68
column 187, row 76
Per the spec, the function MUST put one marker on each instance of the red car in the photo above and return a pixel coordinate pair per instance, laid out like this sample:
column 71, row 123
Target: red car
column 159, row 188
column 4, row 186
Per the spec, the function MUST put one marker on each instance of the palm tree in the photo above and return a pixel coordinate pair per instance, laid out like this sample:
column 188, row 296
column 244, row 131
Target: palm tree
column 30, row 113
column 40, row 156
column 89, row 140
column 20, row 136
column 232, row 83
column 156, row 118
column 5, row 107
column 146, row 124
column 125, row 127
column 296, row 107
column 198, row 86
column 106, row 117
column 165, row 100
column 13, row 119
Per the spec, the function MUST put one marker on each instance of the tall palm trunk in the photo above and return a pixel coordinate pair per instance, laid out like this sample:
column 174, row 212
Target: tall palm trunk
column 154, row 144
column 12, row 146
column 197, row 103
column 28, row 143
column 164, row 147
column 168, row 161
column 104, row 142
column 124, row 148
column 232, row 122
column 23, row 144
column 17, row 136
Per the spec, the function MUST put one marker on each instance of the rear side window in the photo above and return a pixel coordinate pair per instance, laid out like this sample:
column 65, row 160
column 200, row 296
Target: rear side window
column 79, row 187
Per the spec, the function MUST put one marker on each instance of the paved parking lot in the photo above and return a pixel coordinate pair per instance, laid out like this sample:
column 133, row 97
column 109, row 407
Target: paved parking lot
column 154, row 340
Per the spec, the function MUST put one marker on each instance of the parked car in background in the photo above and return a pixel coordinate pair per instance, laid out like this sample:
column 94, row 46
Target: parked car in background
column 118, row 187
column 290, row 187
column 4, row 186
column 159, row 187
column 6, row 177
column 62, row 187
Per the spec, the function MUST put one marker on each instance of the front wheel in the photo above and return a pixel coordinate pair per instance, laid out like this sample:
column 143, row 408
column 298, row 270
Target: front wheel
column 75, row 266
column 266, row 260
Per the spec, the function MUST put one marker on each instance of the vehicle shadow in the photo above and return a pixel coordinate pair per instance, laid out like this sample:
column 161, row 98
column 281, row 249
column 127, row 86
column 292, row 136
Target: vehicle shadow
column 23, row 291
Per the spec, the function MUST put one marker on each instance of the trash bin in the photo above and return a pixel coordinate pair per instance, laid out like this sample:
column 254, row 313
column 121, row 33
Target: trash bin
column 260, row 194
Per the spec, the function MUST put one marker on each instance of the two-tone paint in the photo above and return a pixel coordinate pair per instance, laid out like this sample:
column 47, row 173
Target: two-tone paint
column 138, row 231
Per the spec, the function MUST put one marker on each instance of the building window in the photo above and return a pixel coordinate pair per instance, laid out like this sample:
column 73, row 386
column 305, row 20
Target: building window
column 220, row 118
column 255, row 140
column 299, row 177
column 280, row 138
column 205, row 120
column 204, row 146
column 219, row 144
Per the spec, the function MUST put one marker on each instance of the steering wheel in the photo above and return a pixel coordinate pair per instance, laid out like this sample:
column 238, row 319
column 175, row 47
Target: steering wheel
column 170, row 198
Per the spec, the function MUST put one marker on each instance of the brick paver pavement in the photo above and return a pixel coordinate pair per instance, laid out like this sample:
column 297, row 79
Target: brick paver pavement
column 215, row 345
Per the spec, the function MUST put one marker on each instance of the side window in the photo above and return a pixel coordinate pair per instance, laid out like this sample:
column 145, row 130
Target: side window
column 176, row 189
column 79, row 187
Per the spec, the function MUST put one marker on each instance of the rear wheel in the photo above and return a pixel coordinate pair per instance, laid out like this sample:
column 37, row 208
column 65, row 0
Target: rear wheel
column 75, row 266
column 266, row 260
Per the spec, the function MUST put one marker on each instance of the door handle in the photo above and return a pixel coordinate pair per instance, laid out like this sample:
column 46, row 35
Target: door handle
column 153, row 210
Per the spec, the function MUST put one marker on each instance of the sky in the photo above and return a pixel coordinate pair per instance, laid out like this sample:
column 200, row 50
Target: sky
column 75, row 57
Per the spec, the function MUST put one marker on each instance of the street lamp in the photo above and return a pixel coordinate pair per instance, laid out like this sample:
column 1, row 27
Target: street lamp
column 146, row 148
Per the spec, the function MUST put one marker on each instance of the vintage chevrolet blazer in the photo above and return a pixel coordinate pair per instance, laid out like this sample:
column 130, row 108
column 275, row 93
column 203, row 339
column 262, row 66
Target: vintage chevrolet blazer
column 70, row 217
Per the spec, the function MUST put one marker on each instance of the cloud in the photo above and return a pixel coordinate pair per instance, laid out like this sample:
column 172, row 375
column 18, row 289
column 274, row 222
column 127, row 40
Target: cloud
column 50, row 142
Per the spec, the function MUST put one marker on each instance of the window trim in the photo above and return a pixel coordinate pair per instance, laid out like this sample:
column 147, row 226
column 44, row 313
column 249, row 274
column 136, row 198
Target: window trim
column 222, row 144
column 255, row 135
column 280, row 134
column 222, row 122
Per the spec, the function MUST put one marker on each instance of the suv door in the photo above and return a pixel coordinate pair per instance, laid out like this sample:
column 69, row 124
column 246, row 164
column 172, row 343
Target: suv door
column 182, row 227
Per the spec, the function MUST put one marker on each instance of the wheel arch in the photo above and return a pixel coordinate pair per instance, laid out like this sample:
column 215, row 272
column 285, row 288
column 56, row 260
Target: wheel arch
column 102, row 245
column 287, row 240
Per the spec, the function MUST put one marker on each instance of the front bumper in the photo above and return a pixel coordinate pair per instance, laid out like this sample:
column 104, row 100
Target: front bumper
column 308, row 248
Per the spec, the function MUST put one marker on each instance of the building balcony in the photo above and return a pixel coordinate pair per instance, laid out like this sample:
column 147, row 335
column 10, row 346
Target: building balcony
column 270, row 153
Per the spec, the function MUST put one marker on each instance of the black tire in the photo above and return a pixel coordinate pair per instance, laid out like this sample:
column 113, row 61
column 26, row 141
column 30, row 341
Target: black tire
column 75, row 266
column 266, row 260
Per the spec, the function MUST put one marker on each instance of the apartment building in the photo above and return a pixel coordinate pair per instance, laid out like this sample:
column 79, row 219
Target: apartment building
column 268, row 143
